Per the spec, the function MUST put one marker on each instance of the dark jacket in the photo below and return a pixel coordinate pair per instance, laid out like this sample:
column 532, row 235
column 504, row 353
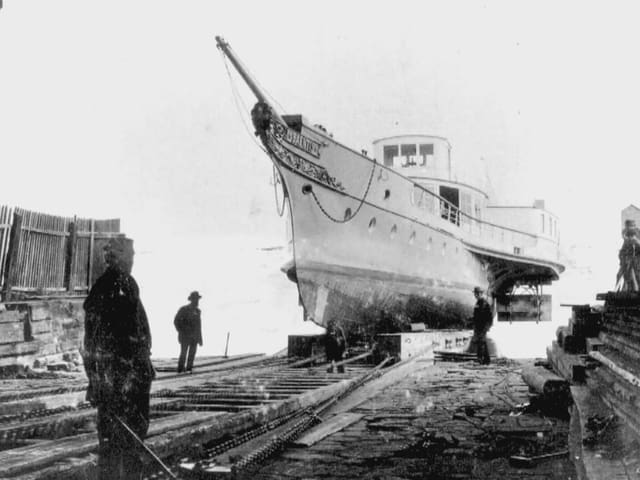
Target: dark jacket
column 482, row 316
column 117, row 339
column 188, row 324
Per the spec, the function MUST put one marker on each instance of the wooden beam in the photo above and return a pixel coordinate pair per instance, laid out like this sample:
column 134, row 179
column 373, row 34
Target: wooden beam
column 69, row 256
column 328, row 427
column 628, row 376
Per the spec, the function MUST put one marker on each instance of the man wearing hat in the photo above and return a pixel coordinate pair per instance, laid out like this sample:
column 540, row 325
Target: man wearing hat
column 117, row 351
column 482, row 322
column 188, row 325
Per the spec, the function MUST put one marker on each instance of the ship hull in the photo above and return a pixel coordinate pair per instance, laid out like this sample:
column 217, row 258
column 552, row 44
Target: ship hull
column 361, row 258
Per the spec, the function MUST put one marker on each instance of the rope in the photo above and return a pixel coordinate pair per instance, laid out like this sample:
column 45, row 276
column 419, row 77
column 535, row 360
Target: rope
column 353, row 215
column 276, row 180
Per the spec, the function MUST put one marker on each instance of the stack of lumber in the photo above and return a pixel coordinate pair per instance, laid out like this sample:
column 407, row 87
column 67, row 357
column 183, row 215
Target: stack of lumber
column 585, row 322
column 617, row 378
column 569, row 366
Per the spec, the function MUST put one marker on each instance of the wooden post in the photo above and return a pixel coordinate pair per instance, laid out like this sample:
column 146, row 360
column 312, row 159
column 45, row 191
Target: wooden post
column 91, row 247
column 226, row 347
column 12, row 255
column 69, row 256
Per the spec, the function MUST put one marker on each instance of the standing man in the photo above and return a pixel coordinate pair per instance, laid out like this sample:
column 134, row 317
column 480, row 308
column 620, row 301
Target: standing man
column 117, row 351
column 189, row 327
column 628, row 278
column 482, row 322
column 335, row 344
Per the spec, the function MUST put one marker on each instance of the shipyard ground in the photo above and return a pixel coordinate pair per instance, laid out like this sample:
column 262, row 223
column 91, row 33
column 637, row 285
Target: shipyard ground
column 428, row 420
column 448, row 420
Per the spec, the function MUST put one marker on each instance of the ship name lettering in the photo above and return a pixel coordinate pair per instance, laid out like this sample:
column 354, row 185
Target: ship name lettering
column 297, row 140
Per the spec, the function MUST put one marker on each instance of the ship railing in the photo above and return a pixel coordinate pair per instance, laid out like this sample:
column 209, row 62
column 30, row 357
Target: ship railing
column 486, row 233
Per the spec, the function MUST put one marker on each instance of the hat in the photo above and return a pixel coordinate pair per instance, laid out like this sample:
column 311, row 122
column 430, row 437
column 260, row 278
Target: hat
column 194, row 294
column 478, row 290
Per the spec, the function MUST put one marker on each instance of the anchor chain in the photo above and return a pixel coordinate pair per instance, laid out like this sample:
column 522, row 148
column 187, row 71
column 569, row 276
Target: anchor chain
column 353, row 215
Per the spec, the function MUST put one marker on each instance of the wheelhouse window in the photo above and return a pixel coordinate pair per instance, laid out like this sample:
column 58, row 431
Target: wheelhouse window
column 425, row 151
column 389, row 152
column 408, row 154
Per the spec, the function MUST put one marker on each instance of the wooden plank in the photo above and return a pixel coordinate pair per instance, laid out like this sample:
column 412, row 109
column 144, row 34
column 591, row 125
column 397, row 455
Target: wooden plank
column 24, row 459
column 628, row 376
column 594, row 344
column 165, row 434
column 328, row 427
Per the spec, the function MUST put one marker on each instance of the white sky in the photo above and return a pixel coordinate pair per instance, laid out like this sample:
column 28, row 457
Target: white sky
column 124, row 109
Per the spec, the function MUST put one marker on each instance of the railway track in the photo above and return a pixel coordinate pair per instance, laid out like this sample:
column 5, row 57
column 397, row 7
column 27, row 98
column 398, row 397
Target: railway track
column 221, row 407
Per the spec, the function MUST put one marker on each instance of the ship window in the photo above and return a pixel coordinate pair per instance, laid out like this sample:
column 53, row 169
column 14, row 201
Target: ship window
column 347, row 214
column 550, row 226
column 426, row 154
column 517, row 250
column 542, row 218
column 389, row 152
column 408, row 154
column 394, row 230
column 412, row 238
column 387, row 194
column 372, row 224
column 449, row 208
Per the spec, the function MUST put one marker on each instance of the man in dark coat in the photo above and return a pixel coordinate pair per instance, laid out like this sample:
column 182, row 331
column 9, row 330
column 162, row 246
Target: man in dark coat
column 335, row 345
column 482, row 322
column 117, row 351
column 189, row 327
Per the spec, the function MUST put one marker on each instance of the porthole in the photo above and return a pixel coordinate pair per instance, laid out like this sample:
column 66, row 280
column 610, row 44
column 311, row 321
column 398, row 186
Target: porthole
column 387, row 194
column 429, row 243
column 306, row 189
column 412, row 238
column 394, row 231
column 372, row 224
column 347, row 214
column 444, row 248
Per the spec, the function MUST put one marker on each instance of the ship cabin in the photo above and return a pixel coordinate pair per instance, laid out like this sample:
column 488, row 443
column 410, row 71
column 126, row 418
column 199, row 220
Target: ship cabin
column 462, row 208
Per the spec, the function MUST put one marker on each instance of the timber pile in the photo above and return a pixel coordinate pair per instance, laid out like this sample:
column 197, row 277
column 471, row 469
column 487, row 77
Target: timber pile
column 617, row 379
column 568, row 353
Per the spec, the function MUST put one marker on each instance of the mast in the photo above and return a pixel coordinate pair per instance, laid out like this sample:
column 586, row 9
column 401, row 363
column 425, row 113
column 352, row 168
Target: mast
column 226, row 49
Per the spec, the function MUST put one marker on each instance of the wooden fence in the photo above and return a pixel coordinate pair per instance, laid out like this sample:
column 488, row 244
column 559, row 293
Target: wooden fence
column 47, row 255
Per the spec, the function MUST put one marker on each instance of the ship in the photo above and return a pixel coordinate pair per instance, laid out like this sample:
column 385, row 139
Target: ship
column 385, row 241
